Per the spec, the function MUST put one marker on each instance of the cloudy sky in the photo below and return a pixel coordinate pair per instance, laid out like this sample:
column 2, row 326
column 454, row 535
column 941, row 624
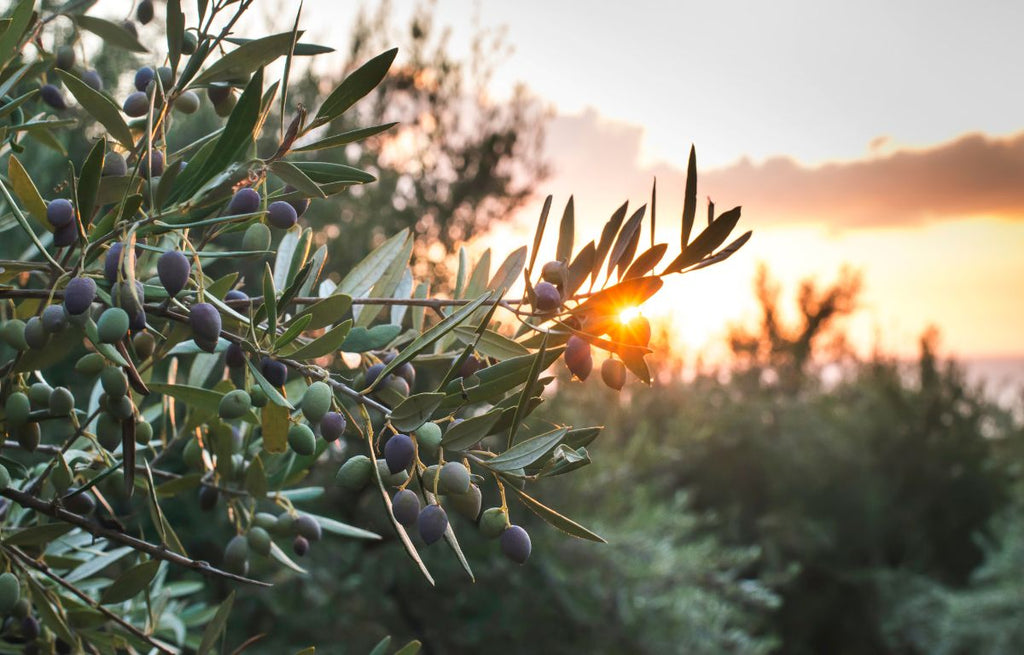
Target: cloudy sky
column 886, row 136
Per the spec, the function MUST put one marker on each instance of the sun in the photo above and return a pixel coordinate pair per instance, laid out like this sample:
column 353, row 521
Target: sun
column 627, row 314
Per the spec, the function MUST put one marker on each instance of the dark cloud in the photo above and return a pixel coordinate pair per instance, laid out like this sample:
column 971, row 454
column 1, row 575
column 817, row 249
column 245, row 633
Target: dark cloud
column 972, row 175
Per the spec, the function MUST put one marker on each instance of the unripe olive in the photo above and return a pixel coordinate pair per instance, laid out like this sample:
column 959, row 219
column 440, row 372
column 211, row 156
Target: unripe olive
column 65, row 59
column 144, row 344
column 493, row 522
column 467, row 504
column 5, row 481
column 114, row 165
column 82, row 503
column 22, row 608
column 274, row 371
column 257, row 238
column 112, row 325
column 332, row 426
column 308, row 527
column 245, row 201
column 173, row 269
column 121, row 408
column 430, row 478
column 300, row 205
column 396, row 384
column 61, row 402
column 301, row 439
column 108, row 431
column 39, row 395
column 553, row 272
column 17, row 408
column 93, row 79
column 136, row 104
column 189, row 43
column 192, row 454
column 143, row 433
column 114, row 381
column 284, row 525
column 353, row 474
column 60, row 212
column 79, row 294
column 144, row 12
column 10, row 592
column 166, row 76
column 259, row 540
column 90, row 364
column 13, row 334
column 236, row 555
column 399, row 452
column 316, row 402
column 454, row 478
column 52, row 96
column 28, row 436
column 428, row 438
column 264, row 520
column 208, row 497
column 578, row 357
column 405, row 505
column 235, row 404
column 300, row 546
column 206, row 323
column 259, row 397
column 432, row 523
column 143, row 77
column 36, row 335
column 515, row 544
column 281, row 215
column 387, row 477
column 187, row 102
column 613, row 372
column 548, row 297
column 54, row 318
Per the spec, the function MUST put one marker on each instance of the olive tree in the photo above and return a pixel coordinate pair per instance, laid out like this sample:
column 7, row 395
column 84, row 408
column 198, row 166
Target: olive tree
column 144, row 377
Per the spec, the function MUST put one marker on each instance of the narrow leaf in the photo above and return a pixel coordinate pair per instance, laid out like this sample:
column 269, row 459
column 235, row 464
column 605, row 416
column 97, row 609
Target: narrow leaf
column 100, row 107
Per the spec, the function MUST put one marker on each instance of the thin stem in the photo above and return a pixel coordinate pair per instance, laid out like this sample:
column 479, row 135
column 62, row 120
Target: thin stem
column 158, row 552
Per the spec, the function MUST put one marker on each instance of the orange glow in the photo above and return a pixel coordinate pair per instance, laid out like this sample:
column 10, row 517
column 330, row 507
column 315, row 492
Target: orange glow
column 628, row 314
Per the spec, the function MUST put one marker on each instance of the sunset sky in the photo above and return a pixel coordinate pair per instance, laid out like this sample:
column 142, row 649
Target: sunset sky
column 887, row 136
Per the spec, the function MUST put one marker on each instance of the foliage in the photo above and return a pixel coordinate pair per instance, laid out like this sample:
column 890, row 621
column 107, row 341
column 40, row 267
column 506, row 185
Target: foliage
column 847, row 490
column 143, row 376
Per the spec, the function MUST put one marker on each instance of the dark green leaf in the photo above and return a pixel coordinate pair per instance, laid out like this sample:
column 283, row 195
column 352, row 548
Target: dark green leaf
column 328, row 311
column 215, row 627
column 130, row 583
column 724, row 253
column 538, row 235
column 345, row 138
column 295, row 177
column 89, row 181
column 527, row 452
column 611, row 228
column 463, row 435
column 563, row 523
column 100, row 107
column 175, row 31
column 197, row 397
column 646, row 262
column 301, row 49
column 566, row 234
column 323, row 172
column 327, row 343
column 507, row 273
column 111, row 33
column 344, row 529
column 415, row 410
column 360, row 340
column 580, row 269
column 706, row 242
column 625, row 245
column 248, row 57
column 292, row 333
column 361, row 278
column 35, row 535
column 354, row 87
column 491, row 343
column 689, row 200
column 536, row 367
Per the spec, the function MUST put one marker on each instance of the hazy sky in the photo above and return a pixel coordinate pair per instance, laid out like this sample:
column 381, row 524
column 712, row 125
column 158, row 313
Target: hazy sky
column 884, row 135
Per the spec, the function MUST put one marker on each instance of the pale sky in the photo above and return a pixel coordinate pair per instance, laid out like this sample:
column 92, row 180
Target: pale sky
column 884, row 135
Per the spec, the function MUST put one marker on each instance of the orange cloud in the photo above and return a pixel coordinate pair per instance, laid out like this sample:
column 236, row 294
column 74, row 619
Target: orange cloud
column 972, row 175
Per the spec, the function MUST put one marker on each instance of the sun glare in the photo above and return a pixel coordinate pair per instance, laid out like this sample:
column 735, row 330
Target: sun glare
column 628, row 314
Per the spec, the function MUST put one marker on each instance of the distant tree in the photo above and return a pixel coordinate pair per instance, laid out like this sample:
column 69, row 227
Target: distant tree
column 457, row 160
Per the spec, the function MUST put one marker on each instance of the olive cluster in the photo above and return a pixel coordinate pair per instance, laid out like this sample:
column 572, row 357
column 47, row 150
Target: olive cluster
column 443, row 486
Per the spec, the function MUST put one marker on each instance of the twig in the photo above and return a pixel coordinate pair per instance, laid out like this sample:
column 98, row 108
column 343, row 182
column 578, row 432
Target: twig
column 159, row 552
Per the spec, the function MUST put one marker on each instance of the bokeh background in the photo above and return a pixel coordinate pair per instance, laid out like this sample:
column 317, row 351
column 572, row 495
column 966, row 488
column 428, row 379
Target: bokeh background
column 829, row 460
